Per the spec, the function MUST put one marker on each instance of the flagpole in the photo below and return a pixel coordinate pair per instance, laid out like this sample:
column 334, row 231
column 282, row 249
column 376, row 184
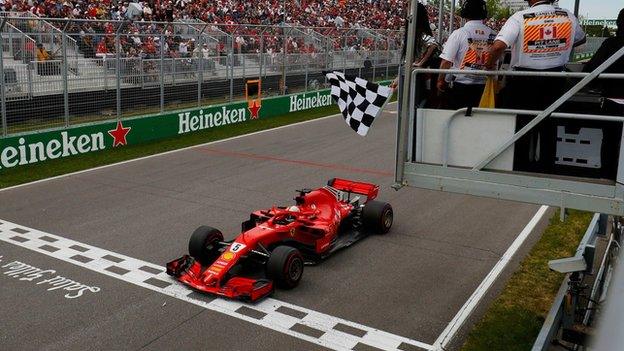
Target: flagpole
column 404, row 107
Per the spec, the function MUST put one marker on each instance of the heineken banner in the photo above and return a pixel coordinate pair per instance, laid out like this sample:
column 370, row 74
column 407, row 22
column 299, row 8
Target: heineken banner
column 32, row 148
column 599, row 22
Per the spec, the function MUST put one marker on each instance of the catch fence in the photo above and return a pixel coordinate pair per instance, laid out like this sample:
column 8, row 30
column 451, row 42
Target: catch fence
column 98, row 70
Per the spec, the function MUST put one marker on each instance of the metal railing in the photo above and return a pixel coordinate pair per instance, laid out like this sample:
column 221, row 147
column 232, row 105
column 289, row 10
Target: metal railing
column 584, row 288
column 18, row 45
column 110, row 69
column 609, row 335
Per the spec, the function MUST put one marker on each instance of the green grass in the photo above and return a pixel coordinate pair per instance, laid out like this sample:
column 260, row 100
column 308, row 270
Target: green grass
column 57, row 167
column 516, row 316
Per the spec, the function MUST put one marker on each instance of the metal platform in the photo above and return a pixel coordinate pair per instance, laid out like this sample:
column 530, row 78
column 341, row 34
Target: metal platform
column 471, row 151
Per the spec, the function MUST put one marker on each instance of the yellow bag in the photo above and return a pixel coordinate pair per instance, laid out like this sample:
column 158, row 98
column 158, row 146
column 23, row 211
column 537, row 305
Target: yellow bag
column 488, row 100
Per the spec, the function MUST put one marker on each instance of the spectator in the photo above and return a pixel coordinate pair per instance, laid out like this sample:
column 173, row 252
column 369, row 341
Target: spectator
column 183, row 49
column 102, row 49
column 44, row 65
column 466, row 49
column 205, row 52
column 426, row 55
column 42, row 53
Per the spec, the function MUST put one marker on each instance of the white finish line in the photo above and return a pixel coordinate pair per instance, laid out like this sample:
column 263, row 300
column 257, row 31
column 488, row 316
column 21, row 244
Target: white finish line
column 322, row 329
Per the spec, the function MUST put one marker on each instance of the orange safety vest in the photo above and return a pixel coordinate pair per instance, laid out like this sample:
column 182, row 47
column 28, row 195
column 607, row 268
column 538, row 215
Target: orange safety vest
column 546, row 39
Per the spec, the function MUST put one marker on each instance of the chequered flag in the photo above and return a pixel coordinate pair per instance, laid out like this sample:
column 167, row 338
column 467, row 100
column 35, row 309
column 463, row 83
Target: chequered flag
column 360, row 101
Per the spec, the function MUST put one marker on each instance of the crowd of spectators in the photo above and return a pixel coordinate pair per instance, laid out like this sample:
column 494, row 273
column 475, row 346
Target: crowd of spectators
column 378, row 14
column 332, row 18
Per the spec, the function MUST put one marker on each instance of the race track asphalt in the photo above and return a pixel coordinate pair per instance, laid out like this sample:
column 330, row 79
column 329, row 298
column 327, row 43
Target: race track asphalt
column 410, row 282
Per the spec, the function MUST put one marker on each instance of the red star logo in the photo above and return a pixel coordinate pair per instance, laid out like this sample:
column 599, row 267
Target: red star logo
column 255, row 109
column 119, row 134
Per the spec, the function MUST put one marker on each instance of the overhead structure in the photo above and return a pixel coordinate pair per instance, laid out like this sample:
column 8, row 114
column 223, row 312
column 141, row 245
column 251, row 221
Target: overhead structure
column 476, row 151
column 574, row 156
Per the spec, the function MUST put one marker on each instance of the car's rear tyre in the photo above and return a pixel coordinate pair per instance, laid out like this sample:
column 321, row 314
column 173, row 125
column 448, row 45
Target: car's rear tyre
column 204, row 244
column 377, row 217
column 285, row 267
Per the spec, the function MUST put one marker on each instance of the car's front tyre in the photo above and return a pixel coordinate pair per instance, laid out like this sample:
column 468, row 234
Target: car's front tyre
column 285, row 267
column 204, row 244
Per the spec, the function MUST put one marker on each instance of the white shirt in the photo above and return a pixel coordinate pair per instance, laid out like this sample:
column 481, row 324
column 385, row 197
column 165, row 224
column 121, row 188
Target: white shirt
column 206, row 53
column 467, row 49
column 543, row 50
column 183, row 48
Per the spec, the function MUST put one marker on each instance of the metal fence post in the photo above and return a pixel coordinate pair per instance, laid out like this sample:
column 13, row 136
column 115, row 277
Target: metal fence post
column 162, row 73
column 243, row 64
column 261, row 54
column 22, row 48
column 65, row 77
column 285, row 50
column 232, row 66
column 452, row 17
column 375, row 59
column 117, row 72
column 388, row 59
column 30, row 83
column 142, row 74
column 359, row 62
column 2, row 85
column 440, row 21
column 328, row 55
column 200, row 66
column 344, row 55
column 174, row 63
column 11, row 49
column 307, row 64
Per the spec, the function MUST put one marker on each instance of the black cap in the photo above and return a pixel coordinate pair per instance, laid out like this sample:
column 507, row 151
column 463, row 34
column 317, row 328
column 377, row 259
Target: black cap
column 474, row 9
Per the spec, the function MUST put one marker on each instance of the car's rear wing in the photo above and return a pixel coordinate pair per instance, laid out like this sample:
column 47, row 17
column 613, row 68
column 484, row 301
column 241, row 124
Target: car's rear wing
column 350, row 186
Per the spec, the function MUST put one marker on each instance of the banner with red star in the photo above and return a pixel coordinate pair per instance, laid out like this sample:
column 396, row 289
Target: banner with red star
column 119, row 134
column 255, row 109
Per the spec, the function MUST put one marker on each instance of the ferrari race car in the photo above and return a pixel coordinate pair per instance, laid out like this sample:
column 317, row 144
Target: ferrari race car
column 276, row 243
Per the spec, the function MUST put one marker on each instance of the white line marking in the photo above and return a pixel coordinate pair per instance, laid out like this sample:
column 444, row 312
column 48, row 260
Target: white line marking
column 171, row 151
column 273, row 319
column 453, row 327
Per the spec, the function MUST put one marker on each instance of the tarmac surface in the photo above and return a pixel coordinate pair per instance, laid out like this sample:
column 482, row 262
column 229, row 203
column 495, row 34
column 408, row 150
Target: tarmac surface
column 406, row 285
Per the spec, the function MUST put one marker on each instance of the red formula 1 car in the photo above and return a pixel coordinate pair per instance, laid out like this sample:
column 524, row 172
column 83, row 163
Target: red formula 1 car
column 276, row 243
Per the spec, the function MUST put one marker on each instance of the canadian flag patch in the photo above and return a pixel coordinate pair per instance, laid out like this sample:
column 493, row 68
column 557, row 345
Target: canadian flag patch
column 548, row 33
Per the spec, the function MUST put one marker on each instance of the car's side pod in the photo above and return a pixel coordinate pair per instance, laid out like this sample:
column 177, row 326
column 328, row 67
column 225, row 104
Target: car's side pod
column 361, row 188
